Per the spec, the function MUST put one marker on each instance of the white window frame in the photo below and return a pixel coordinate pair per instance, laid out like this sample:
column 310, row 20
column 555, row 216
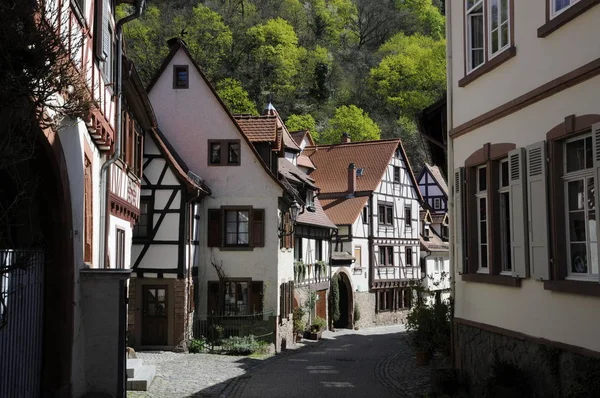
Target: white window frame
column 504, row 190
column 554, row 13
column 469, row 12
column 437, row 265
column 585, row 175
column 488, row 28
column 482, row 194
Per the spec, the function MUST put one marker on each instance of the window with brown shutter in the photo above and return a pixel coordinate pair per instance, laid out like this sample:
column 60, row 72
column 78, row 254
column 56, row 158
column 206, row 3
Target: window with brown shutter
column 256, row 297
column 236, row 227
column 258, row 228
column 215, row 233
column 88, row 210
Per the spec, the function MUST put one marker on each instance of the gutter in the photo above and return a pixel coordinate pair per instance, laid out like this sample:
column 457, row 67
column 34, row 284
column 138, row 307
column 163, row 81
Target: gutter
column 449, row 127
column 104, row 220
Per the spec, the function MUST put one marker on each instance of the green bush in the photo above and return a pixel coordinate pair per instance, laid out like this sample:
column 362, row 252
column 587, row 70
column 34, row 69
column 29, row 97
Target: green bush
column 356, row 313
column 197, row 345
column 236, row 345
column 299, row 324
column 318, row 324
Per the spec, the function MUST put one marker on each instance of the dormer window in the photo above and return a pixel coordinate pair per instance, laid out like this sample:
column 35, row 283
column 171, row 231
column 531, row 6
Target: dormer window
column 181, row 77
column 426, row 230
column 310, row 198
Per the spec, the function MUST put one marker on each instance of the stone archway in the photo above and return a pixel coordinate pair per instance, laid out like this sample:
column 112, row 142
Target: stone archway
column 346, row 302
column 59, row 276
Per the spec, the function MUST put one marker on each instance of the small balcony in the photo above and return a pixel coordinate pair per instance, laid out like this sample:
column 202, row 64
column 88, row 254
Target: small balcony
column 311, row 274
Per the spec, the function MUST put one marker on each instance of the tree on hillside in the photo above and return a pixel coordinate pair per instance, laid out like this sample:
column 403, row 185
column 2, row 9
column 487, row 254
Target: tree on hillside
column 351, row 120
column 412, row 74
column 422, row 16
column 301, row 122
column 235, row 97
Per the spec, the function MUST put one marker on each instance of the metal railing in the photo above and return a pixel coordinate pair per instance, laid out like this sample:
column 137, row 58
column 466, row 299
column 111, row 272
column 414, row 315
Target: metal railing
column 21, row 322
column 217, row 327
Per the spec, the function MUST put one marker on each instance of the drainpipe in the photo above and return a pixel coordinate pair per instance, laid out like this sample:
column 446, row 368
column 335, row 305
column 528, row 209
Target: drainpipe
column 370, row 249
column 450, row 154
column 105, row 167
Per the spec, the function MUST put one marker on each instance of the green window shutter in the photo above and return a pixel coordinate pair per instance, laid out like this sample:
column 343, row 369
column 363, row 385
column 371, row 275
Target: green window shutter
column 518, row 213
column 537, row 210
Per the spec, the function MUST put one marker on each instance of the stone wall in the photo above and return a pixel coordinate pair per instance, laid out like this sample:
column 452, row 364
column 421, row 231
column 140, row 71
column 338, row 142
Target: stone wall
column 546, row 370
column 285, row 334
column 369, row 317
column 180, row 325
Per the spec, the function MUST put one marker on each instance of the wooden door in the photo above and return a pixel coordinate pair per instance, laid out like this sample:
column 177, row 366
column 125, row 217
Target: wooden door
column 155, row 318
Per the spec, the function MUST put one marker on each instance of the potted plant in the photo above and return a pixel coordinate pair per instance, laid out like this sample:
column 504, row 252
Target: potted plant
column 298, row 323
column 317, row 327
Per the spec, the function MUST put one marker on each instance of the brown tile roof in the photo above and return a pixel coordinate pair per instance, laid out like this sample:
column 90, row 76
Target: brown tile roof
column 344, row 211
column 434, row 244
column 304, row 161
column 318, row 218
column 288, row 140
column 298, row 136
column 373, row 156
column 291, row 172
column 258, row 128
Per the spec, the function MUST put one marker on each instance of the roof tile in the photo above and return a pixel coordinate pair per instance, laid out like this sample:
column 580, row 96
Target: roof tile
column 344, row 211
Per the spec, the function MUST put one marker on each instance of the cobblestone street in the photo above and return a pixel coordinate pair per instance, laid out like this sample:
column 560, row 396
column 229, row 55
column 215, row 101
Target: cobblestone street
column 376, row 362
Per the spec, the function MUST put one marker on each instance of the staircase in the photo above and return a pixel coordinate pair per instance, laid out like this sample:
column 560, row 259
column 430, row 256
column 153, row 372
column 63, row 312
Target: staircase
column 139, row 376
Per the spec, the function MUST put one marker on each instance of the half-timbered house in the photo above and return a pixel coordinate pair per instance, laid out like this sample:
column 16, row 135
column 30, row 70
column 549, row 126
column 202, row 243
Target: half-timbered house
column 434, row 189
column 67, row 337
column 165, row 244
column 240, row 266
column 369, row 191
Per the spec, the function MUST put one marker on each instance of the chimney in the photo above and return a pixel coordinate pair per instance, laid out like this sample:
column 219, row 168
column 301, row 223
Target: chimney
column 345, row 138
column 351, row 178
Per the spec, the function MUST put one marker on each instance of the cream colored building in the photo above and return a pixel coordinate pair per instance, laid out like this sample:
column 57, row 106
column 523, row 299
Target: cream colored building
column 524, row 150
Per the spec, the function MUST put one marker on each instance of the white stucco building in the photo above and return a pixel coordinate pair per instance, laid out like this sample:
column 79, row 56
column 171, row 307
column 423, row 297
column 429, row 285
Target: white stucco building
column 240, row 220
column 523, row 132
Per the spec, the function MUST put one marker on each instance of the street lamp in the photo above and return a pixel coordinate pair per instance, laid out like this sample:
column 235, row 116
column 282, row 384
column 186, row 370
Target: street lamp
column 294, row 213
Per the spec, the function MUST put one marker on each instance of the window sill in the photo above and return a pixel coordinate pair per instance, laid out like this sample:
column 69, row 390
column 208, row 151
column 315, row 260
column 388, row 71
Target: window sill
column 571, row 13
column 584, row 288
column 236, row 249
column 502, row 280
column 488, row 66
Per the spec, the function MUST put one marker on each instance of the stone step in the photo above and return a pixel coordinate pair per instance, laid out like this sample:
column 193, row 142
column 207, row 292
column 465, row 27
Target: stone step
column 142, row 379
column 133, row 366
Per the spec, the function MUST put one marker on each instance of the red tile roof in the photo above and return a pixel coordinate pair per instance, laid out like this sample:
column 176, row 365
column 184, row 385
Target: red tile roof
column 304, row 161
column 344, row 211
column 298, row 136
column 318, row 218
column 258, row 128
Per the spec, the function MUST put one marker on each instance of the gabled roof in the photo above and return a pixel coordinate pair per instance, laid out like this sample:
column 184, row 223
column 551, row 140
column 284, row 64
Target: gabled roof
column 258, row 128
column 424, row 215
column 435, row 172
column 434, row 244
column 299, row 136
column 288, row 170
column 373, row 156
column 178, row 44
column 304, row 161
column 318, row 217
column 344, row 211
column 439, row 219
column 179, row 167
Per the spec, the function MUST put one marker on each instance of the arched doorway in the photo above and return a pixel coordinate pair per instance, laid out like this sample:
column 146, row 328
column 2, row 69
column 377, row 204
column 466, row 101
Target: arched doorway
column 38, row 307
column 345, row 303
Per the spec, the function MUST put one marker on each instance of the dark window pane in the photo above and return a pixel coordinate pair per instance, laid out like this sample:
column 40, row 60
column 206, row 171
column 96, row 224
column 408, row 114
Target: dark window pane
column 482, row 179
column 575, row 195
column 390, row 215
column 482, row 209
column 589, row 156
column 234, row 153
column 577, row 226
column 504, row 173
column 575, row 155
column 578, row 258
column 215, row 153
column 483, row 232
column 484, row 256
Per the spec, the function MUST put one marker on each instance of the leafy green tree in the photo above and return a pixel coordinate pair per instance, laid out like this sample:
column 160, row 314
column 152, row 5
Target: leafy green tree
column 351, row 120
column 235, row 97
column 412, row 75
column 331, row 21
column 422, row 16
column 207, row 37
column 301, row 122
